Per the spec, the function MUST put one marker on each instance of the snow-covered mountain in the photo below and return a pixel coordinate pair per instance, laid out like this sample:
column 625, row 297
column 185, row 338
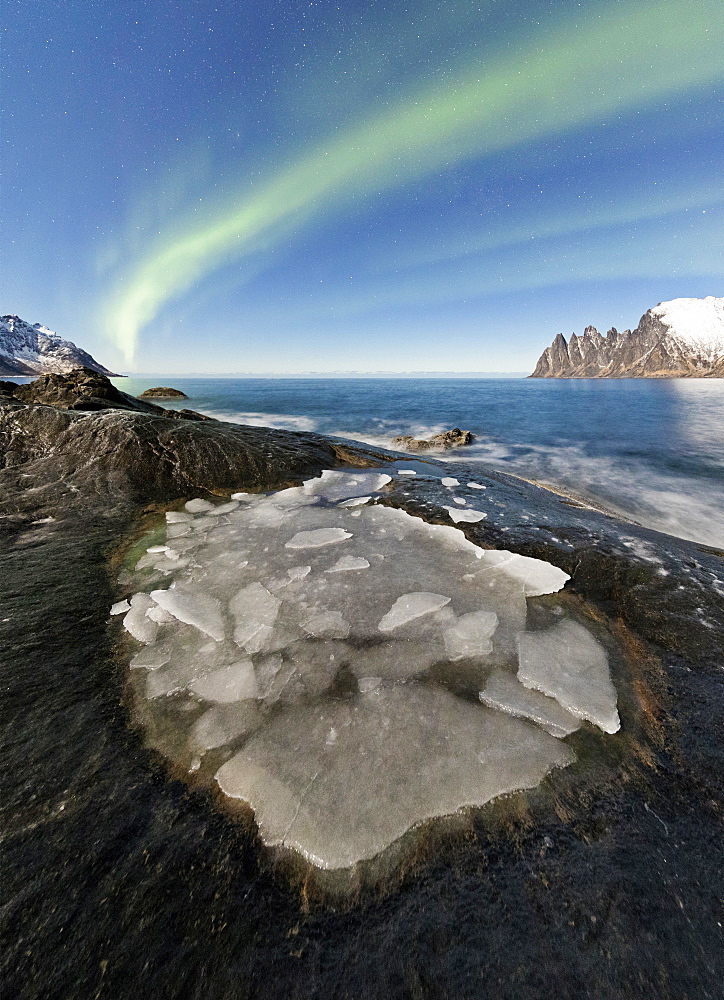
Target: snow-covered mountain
column 683, row 338
column 36, row 350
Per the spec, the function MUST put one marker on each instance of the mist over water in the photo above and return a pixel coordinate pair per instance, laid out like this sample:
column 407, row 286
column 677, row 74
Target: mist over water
column 651, row 450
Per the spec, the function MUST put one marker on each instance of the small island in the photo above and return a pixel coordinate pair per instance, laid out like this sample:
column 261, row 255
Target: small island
column 162, row 392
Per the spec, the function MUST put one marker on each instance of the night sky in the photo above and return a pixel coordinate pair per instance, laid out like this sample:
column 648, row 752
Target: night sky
column 291, row 186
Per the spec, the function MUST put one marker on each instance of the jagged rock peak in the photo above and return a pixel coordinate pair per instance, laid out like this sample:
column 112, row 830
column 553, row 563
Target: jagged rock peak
column 33, row 349
column 683, row 338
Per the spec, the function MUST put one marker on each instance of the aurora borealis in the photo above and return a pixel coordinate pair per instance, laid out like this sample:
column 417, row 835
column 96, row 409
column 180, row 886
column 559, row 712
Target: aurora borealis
column 437, row 177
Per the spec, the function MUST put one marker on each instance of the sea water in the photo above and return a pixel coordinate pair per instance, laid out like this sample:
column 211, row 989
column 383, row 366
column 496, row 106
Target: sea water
column 650, row 450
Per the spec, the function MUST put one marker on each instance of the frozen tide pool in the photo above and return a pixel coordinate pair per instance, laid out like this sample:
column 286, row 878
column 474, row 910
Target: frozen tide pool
column 348, row 670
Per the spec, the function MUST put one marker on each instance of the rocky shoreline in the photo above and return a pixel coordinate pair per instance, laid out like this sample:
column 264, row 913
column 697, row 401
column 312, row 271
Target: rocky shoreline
column 606, row 885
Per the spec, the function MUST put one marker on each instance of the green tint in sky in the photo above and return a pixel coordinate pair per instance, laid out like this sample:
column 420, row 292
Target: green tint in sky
column 613, row 60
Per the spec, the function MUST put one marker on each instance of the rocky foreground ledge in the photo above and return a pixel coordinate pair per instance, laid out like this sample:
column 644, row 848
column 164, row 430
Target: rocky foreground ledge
column 608, row 885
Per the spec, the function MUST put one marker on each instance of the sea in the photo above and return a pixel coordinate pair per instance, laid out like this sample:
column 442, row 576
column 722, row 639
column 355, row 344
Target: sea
column 651, row 451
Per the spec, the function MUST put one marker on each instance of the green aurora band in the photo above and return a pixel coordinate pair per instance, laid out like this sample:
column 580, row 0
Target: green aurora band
column 621, row 59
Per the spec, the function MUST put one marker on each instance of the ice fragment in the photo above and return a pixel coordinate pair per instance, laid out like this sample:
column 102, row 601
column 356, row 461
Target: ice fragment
column 223, row 723
column 317, row 538
column 348, row 563
column 137, row 623
column 198, row 506
column 505, row 692
column 411, row 606
column 327, row 625
column 471, row 635
column 193, row 607
column 234, row 682
column 465, row 515
column 568, row 664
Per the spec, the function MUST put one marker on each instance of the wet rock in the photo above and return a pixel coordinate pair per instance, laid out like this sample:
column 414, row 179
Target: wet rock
column 445, row 441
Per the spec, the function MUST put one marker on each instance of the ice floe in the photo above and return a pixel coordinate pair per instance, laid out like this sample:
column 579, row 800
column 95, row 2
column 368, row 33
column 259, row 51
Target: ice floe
column 177, row 517
column 505, row 692
column 234, row 682
column 471, row 635
column 198, row 506
column 136, row 622
column 411, row 606
column 318, row 538
column 568, row 664
column 347, row 563
column 354, row 677
column 538, row 577
column 470, row 515
column 194, row 608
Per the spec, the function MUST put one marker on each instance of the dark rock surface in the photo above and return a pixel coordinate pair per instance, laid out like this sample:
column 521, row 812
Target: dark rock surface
column 162, row 392
column 445, row 441
column 119, row 881
column 85, row 389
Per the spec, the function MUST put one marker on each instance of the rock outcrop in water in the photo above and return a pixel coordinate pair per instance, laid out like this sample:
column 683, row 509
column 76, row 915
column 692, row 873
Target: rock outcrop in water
column 603, row 883
column 86, row 389
column 683, row 338
column 162, row 392
column 445, row 441
column 27, row 349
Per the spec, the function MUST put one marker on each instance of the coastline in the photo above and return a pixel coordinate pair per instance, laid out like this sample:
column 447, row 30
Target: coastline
column 103, row 800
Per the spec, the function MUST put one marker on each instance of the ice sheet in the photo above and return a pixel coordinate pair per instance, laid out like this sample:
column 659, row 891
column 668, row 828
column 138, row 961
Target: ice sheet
column 342, row 781
column 283, row 615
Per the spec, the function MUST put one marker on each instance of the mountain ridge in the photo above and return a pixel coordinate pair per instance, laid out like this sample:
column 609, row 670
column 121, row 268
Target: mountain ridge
column 32, row 349
column 682, row 338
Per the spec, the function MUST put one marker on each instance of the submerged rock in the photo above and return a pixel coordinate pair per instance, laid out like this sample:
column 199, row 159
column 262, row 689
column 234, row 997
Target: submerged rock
column 444, row 441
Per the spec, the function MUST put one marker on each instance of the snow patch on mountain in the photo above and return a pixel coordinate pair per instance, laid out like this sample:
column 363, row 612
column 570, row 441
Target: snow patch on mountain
column 697, row 323
column 683, row 338
column 33, row 349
